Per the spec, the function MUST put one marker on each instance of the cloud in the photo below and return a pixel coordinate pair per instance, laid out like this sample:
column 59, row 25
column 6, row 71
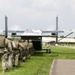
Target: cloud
column 4, row 5
column 39, row 14
column 72, row 5
column 45, row 3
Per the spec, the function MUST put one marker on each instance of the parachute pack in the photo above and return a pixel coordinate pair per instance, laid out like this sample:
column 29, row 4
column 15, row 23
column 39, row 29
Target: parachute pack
column 2, row 41
column 15, row 44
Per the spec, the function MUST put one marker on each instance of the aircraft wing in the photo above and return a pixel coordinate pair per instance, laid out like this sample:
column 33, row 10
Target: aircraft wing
column 52, row 31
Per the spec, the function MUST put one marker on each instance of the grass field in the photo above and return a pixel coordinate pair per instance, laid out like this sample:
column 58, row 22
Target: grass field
column 40, row 63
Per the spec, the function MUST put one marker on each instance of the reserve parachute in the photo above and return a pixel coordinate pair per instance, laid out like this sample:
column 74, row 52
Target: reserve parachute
column 2, row 41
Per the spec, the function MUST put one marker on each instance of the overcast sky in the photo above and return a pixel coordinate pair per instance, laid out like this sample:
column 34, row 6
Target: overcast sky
column 37, row 14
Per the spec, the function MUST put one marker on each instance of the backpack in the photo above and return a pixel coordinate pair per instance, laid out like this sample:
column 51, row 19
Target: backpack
column 2, row 41
column 14, row 44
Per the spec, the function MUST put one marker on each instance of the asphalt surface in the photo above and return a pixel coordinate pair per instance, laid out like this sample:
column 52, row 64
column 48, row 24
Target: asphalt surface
column 63, row 67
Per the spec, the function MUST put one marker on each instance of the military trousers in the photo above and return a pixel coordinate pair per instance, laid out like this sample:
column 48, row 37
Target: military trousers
column 16, row 59
column 4, row 61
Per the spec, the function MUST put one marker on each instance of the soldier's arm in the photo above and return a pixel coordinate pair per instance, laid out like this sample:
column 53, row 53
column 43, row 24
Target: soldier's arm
column 10, row 46
column 20, row 45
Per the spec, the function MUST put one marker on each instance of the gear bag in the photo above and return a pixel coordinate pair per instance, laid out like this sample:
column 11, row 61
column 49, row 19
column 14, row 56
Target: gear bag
column 14, row 44
column 2, row 41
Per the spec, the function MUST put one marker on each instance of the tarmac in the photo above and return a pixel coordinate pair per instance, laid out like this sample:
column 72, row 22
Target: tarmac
column 63, row 67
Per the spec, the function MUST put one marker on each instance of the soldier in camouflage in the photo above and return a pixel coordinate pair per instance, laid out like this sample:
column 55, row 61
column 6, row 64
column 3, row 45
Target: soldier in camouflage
column 24, row 50
column 4, row 61
column 15, row 48
column 31, row 47
column 5, row 45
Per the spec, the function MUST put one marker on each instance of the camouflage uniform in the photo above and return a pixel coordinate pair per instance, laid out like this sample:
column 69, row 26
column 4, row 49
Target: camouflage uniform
column 20, row 49
column 31, row 47
column 5, row 60
column 7, row 50
column 10, row 60
column 15, row 48
column 24, row 49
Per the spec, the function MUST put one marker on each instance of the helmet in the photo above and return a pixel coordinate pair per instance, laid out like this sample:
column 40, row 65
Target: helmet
column 26, row 40
column 30, row 40
column 21, row 40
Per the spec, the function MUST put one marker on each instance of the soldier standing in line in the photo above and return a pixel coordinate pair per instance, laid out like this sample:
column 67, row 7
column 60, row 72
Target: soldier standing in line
column 31, row 47
column 10, row 53
column 26, row 49
column 4, row 61
column 5, row 45
column 23, row 47
column 15, row 48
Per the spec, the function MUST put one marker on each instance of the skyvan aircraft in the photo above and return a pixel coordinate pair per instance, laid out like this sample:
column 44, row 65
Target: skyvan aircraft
column 34, row 35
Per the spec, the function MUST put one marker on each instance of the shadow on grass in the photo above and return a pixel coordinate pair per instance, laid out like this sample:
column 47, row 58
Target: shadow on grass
column 39, row 53
column 14, row 68
column 62, row 53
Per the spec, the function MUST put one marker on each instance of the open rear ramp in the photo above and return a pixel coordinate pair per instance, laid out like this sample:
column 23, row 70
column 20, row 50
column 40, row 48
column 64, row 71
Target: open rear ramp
column 37, row 41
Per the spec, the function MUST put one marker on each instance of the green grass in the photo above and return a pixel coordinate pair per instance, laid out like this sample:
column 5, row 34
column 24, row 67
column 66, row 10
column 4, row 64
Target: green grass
column 40, row 63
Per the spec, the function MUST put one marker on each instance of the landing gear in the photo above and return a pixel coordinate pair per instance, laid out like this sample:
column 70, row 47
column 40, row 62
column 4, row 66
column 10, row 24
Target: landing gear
column 48, row 50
